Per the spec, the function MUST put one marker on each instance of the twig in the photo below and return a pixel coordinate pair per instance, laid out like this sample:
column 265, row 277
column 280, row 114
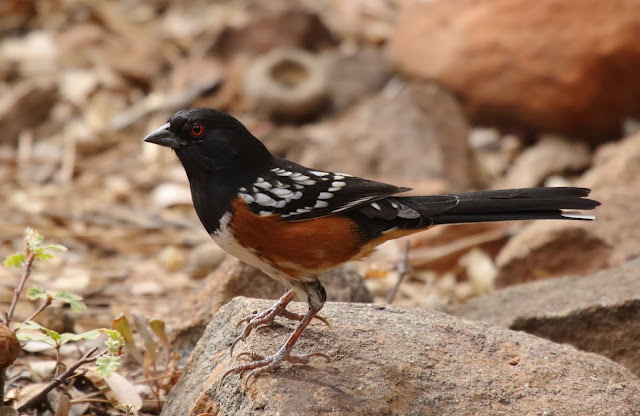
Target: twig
column 42, row 307
column 3, row 375
column 26, row 271
column 403, row 270
column 58, row 380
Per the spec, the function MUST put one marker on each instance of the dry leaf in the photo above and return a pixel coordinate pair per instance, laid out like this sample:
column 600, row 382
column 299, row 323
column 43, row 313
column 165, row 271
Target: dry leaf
column 124, row 391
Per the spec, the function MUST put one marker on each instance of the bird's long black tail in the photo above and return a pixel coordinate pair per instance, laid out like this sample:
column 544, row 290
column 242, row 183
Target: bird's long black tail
column 503, row 205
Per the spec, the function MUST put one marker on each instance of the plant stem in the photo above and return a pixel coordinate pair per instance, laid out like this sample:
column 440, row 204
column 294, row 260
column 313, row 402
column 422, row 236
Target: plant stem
column 2, row 377
column 58, row 361
column 57, row 381
column 403, row 270
column 26, row 271
column 40, row 309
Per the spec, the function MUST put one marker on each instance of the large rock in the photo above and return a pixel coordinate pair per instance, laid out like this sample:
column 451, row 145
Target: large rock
column 393, row 361
column 539, row 65
column 408, row 133
column 550, row 155
column 557, row 248
column 595, row 313
column 234, row 278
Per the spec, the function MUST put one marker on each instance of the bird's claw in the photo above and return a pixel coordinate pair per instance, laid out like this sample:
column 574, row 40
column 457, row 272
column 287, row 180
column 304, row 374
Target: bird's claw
column 268, row 315
column 260, row 364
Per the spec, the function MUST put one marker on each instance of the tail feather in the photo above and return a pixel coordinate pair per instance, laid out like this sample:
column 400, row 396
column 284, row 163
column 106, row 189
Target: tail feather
column 504, row 205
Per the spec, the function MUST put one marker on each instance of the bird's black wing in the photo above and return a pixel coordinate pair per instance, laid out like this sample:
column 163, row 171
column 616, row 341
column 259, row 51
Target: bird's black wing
column 298, row 193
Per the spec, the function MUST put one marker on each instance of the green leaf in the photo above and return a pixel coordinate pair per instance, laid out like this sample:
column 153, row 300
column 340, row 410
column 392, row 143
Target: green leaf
column 53, row 334
column 37, row 292
column 106, row 365
column 32, row 331
column 24, row 336
column 113, row 334
column 42, row 255
column 15, row 260
column 59, row 247
column 114, row 342
column 90, row 335
column 74, row 301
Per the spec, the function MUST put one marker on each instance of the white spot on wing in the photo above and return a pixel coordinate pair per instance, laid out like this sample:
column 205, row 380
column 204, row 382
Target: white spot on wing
column 247, row 198
column 265, row 200
column 321, row 204
column 282, row 193
column 338, row 184
column 308, row 182
column 318, row 173
column 263, row 185
column 265, row 213
column 376, row 206
column 325, row 195
column 302, row 211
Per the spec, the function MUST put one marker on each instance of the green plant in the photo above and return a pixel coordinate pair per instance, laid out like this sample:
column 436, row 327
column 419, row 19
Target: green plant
column 106, row 360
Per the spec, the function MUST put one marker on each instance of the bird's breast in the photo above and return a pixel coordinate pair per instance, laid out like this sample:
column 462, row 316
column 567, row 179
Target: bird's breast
column 297, row 249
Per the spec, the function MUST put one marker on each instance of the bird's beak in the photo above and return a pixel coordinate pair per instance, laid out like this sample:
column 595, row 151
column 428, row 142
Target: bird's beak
column 164, row 137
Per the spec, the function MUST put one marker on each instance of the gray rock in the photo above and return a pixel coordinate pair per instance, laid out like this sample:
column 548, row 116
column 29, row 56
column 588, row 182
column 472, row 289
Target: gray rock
column 393, row 361
column 561, row 248
column 597, row 313
column 408, row 132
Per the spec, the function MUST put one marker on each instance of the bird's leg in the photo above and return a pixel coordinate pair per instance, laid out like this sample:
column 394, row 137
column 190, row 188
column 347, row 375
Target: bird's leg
column 268, row 315
column 262, row 364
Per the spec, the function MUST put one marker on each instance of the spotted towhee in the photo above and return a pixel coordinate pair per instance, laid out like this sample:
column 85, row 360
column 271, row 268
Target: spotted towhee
column 293, row 222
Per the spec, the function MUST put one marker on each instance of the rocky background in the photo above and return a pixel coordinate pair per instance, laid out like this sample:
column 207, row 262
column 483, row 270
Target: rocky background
column 440, row 96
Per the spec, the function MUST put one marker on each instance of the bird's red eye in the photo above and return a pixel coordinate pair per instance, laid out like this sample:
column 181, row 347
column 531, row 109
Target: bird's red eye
column 197, row 130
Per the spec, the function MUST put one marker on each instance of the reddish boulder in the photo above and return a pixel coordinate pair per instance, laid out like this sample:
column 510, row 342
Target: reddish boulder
column 545, row 65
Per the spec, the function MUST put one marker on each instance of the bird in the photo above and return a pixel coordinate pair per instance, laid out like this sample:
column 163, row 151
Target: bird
column 294, row 222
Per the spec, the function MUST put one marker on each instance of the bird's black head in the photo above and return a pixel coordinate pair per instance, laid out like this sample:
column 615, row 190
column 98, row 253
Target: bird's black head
column 210, row 142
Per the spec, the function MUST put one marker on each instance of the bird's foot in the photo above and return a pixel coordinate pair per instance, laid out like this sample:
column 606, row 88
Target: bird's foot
column 260, row 364
column 268, row 315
